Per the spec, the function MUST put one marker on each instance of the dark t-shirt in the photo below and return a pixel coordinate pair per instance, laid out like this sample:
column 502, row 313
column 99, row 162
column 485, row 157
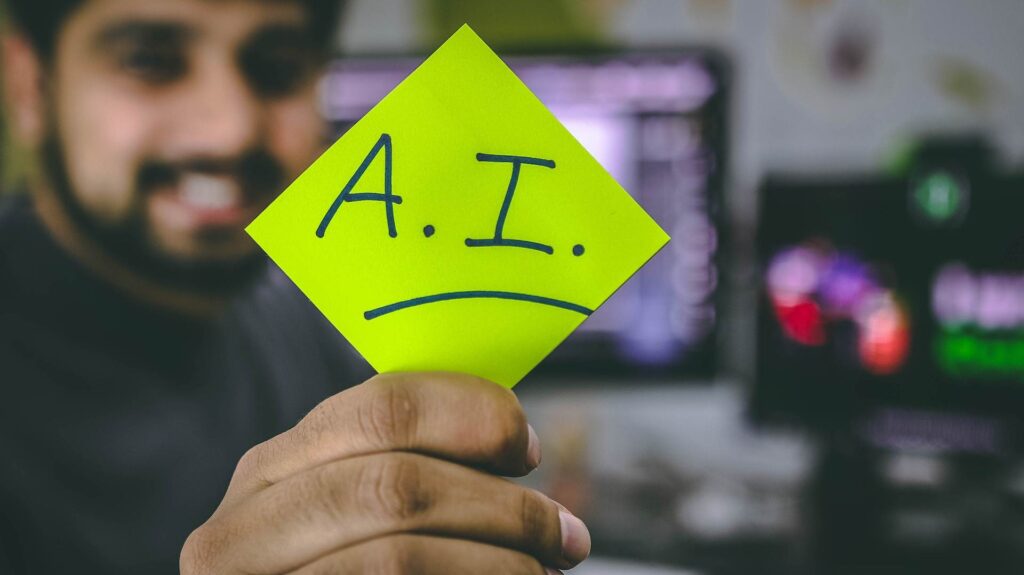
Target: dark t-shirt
column 120, row 424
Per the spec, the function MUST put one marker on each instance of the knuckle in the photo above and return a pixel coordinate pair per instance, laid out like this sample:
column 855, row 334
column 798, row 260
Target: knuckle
column 397, row 555
column 392, row 488
column 321, row 492
column 319, row 424
column 201, row 550
column 388, row 417
column 312, row 498
column 251, row 464
column 535, row 521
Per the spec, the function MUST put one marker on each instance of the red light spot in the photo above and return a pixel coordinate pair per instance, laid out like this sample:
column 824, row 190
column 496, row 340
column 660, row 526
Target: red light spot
column 801, row 321
column 884, row 341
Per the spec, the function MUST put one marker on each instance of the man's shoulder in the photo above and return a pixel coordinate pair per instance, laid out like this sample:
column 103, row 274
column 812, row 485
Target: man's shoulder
column 275, row 299
column 276, row 304
column 284, row 321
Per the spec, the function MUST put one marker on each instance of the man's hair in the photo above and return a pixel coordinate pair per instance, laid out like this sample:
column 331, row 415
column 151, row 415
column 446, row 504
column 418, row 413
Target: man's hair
column 42, row 20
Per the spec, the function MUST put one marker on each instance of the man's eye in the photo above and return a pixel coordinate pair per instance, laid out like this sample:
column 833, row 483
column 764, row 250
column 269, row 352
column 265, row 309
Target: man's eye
column 153, row 65
column 277, row 74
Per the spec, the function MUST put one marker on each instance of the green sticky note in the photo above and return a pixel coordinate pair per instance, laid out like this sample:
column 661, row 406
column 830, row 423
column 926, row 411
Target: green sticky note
column 458, row 226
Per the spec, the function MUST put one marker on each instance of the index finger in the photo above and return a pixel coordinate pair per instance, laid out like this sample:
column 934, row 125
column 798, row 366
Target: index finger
column 452, row 416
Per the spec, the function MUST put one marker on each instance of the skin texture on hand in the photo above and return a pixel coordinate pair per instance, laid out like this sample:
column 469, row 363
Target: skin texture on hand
column 398, row 475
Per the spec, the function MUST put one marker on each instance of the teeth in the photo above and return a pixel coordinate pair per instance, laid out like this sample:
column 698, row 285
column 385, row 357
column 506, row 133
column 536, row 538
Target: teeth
column 209, row 193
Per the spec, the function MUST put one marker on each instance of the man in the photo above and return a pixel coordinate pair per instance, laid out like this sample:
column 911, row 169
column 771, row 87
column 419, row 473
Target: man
column 146, row 355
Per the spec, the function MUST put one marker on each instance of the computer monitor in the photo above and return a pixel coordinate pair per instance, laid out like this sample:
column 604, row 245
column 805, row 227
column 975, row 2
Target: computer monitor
column 656, row 122
column 894, row 306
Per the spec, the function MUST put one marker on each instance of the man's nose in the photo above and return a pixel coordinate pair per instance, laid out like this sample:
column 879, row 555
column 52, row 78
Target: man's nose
column 223, row 118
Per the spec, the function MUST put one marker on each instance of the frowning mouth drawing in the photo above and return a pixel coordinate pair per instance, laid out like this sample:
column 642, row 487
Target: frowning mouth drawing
column 515, row 296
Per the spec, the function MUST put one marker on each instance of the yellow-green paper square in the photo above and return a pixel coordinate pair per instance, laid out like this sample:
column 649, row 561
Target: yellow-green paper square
column 405, row 235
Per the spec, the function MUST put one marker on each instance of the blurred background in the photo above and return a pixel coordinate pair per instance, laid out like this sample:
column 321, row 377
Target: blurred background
column 824, row 371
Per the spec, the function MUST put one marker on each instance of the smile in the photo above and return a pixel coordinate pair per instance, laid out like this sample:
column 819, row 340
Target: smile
column 515, row 296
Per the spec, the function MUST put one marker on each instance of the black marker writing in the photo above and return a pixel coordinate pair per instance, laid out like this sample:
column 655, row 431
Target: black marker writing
column 499, row 239
column 346, row 195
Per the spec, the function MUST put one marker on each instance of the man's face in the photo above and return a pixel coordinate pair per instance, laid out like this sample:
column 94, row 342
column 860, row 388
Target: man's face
column 175, row 122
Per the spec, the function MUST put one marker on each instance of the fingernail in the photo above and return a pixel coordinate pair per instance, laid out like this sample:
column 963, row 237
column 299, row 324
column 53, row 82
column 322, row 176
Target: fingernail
column 551, row 571
column 533, row 449
column 575, row 538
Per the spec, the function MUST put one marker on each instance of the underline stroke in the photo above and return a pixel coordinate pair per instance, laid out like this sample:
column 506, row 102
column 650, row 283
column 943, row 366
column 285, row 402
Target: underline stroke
column 398, row 306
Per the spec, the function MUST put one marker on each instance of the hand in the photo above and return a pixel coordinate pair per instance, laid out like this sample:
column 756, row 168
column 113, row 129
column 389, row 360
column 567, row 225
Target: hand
column 397, row 475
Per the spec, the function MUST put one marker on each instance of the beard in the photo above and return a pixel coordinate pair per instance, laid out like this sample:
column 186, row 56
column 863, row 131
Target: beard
column 128, row 241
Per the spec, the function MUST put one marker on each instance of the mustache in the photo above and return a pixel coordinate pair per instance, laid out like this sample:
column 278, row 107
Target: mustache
column 258, row 171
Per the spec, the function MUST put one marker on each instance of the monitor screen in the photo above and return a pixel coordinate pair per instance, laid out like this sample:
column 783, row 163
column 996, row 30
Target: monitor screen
column 655, row 121
column 894, row 302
